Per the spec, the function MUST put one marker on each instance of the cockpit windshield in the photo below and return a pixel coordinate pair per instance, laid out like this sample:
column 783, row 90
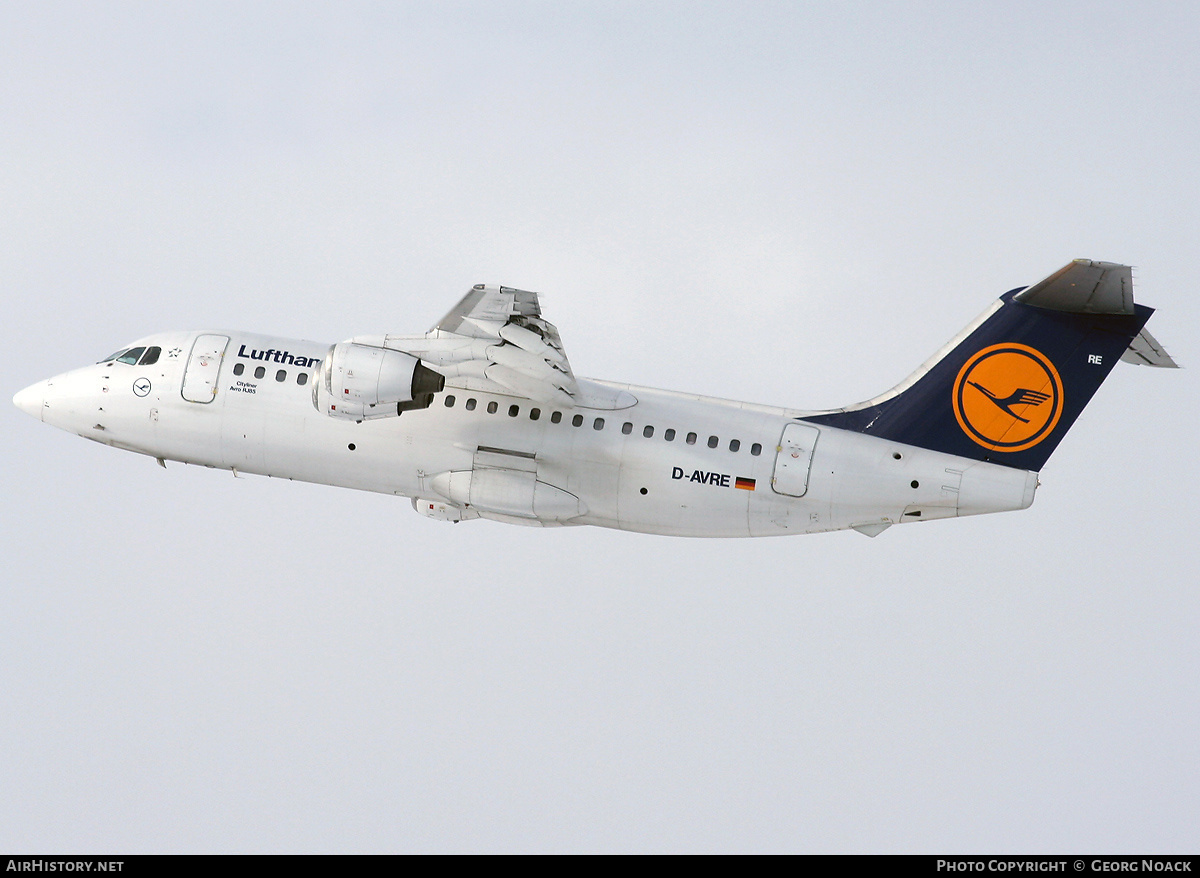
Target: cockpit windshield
column 134, row 356
column 131, row 356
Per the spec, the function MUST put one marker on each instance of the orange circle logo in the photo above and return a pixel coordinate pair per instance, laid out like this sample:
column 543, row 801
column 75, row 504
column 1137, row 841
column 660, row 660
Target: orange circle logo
column 1008, row 397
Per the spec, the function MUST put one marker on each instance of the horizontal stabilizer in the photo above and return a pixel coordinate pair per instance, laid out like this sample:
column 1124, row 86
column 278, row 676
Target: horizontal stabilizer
column 1145, row 350
column 1084, row 287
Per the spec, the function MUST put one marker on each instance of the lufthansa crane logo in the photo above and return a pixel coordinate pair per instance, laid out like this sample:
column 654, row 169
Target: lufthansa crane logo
column 1008, row 397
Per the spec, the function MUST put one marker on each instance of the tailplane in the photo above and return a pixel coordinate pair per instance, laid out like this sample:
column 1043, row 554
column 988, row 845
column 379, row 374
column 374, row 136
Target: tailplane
column 1008, row 388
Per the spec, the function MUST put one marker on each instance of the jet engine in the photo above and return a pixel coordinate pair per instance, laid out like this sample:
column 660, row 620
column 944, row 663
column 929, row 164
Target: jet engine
column 359, row 382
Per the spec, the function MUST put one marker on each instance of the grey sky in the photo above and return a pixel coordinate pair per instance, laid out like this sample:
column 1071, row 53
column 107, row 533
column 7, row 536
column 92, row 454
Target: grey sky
column 787, row 203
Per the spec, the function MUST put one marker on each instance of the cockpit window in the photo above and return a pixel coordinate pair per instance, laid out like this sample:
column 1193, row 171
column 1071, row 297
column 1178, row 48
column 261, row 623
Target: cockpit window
column 150, row 357
column 113, row 356
column 131, row 356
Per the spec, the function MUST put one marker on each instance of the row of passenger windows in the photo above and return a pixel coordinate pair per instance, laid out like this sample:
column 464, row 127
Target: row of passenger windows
column 280, row 376
column 135, row 356
column 598, row 424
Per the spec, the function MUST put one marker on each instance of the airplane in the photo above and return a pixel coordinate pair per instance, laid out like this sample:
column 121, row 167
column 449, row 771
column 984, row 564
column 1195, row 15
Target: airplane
column 483, row 417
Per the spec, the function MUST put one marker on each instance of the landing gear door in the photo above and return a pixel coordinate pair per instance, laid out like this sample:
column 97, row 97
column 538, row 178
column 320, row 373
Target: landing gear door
column 203, row 367
column 794, row 459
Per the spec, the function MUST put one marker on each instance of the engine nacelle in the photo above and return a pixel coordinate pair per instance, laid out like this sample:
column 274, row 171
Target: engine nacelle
column 359, row 382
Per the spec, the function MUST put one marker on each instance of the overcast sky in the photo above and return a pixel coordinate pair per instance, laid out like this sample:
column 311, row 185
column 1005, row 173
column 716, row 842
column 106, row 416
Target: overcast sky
column 790, row 203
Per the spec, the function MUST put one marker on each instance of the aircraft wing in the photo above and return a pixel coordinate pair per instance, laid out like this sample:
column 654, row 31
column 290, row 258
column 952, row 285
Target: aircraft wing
column 512, row 344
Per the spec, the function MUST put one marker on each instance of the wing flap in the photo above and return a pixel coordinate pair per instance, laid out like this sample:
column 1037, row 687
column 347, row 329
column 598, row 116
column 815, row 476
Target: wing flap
column 527, row 357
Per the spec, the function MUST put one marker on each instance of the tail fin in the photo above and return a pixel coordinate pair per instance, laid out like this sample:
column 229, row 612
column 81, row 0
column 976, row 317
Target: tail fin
column 1008, row 388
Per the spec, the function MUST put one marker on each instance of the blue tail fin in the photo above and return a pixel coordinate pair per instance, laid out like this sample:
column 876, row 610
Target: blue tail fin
column 1010, row 386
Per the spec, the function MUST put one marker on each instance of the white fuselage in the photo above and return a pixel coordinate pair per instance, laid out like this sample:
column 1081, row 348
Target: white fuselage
column 687, row 465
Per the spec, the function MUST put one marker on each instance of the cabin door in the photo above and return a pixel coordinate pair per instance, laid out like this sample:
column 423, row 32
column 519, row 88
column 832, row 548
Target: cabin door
column 203, row 367
column 794, row 459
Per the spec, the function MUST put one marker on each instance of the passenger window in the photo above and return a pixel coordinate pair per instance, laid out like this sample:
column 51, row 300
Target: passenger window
column 534, row 414
column 302, row 378
column 281, row 375
column 450, row 401
column 577, row 421
column 239, row 368
column 598, row 424
column 493, row 407
column 735, row 444
column 627, row 428
column 691, row 438
column 669, row 435
column 514, row 410
column 712, row 441
column 150, row 357
column 647, row 432
column 471, row 404
column 260, row 372
column 556, row 418
column 131, row 356
column 756, row 449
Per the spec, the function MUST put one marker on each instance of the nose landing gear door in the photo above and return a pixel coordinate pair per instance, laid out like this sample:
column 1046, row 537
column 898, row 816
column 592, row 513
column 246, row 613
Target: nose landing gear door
column 203, row 367
column 794, row 459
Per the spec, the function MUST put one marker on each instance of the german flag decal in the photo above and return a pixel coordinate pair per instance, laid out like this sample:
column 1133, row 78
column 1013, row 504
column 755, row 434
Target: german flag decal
column 744, row 484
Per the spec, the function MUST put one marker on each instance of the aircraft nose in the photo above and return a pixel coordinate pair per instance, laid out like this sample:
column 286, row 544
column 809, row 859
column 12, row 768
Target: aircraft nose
column 31, row 399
